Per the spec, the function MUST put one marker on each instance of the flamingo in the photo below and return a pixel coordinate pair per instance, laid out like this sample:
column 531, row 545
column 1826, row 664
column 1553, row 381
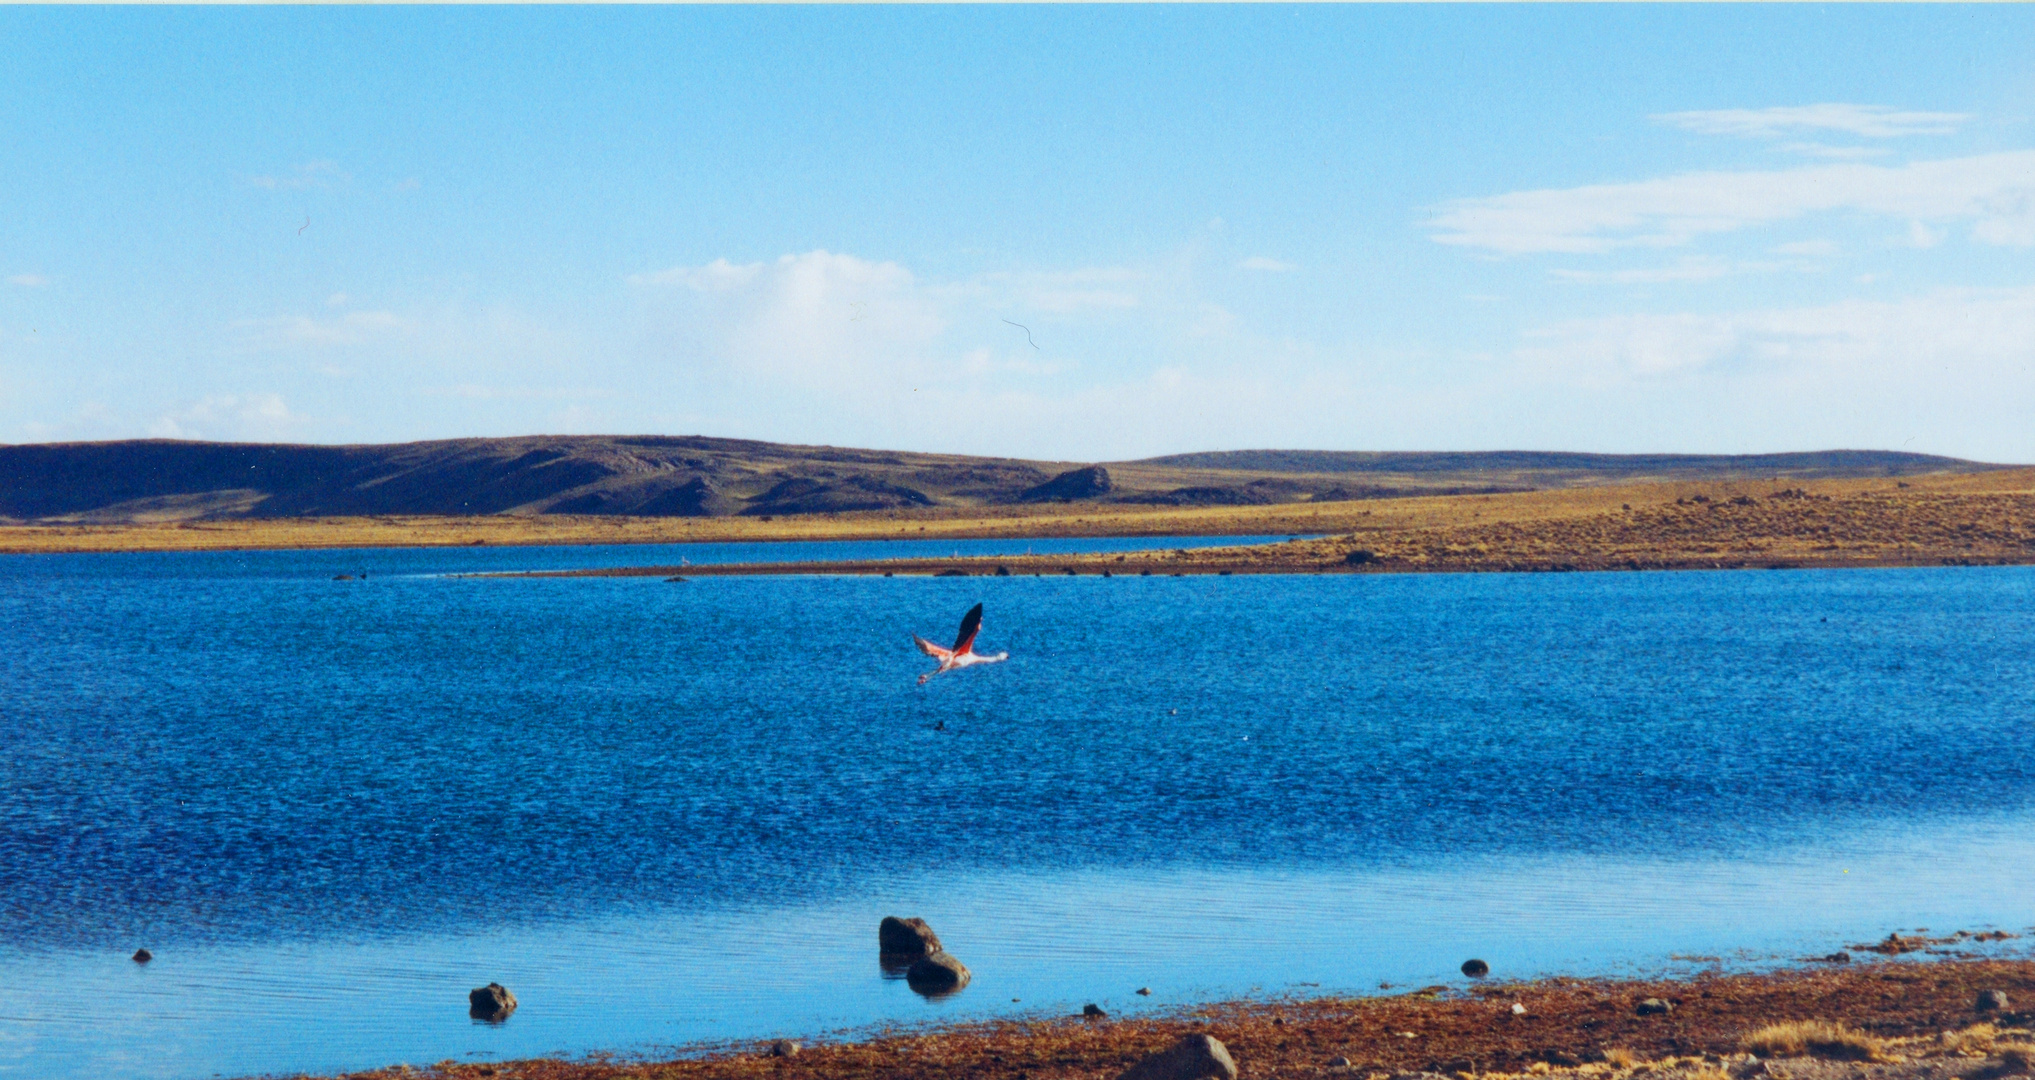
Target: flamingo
column 963, row 653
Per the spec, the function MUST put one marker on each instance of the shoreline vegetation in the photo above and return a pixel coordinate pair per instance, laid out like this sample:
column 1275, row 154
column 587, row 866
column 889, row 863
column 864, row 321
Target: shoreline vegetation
column 1921, row 520
column 1939, row 1019
column 1986, row 519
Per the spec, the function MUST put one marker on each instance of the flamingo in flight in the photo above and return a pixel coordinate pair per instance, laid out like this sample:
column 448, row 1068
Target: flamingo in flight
column 963, row 653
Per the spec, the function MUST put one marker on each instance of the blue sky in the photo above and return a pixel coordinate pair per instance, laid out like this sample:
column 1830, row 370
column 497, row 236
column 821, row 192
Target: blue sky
column 1079, row 233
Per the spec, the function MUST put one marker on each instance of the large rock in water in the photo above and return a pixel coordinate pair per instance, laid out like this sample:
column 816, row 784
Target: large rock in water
column 936, row 974
column 1073, row 484
column 1195, row 1057
column 492, row 1002
column 906, row 937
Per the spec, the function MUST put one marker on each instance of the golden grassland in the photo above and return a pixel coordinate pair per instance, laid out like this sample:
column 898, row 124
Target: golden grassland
column 1910, row 1020
column 1930, row 521
column 1926, row 520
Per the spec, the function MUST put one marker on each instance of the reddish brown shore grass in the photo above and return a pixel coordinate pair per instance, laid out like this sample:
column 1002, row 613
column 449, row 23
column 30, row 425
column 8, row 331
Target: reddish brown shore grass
column 1886, row 1011
column 1927, row 521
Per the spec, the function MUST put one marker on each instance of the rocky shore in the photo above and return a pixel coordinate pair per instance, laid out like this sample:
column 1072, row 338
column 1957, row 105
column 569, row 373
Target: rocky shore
column 1942, row 1019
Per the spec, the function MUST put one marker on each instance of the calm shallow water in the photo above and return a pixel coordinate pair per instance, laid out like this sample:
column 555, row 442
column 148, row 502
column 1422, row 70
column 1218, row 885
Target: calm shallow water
column 663, row 813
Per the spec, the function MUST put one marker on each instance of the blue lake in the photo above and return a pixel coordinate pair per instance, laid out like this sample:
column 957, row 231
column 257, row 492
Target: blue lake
column 667, row 813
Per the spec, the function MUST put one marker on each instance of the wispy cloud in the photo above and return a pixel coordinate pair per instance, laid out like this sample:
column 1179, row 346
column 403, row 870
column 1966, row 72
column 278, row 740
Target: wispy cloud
column 1865, row 121
column 1994, row 192
column 352, row 328
column 1693, row 269
column 1836, row 153
column 1265, row 263
column 1958, row 337
column 311, row 174
column 219, row 416
column 28, row 281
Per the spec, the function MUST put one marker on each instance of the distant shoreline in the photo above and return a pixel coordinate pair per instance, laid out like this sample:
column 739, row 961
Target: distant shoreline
column 1916, row 1019
column 1949, row 519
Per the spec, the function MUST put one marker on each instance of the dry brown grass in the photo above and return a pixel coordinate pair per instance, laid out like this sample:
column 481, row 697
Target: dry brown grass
column 1816, row 1038
column 1974, row 1041
column 1619, row 1057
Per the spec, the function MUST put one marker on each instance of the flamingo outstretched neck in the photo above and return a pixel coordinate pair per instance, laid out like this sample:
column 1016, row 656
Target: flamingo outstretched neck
column 963, row 653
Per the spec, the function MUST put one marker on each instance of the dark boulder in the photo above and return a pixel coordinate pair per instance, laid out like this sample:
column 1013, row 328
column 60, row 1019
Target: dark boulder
column 1992, row 1001
column 143, row 956
column 906, row 937
column 492, row 1003
column 1476, row 969
column 1194, row 1057
column 1092, row 1009
column 1088, row 483
column 1653, row 1007
column 784, row 1048
column 936, row 974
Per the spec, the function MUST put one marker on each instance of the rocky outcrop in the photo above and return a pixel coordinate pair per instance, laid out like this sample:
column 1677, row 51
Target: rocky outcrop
column 1210, row 496
column 804, row 495
column 906, row 937
column 1087, row 483
column 492, row 1003
column 1195, row 1057
column 937, row 974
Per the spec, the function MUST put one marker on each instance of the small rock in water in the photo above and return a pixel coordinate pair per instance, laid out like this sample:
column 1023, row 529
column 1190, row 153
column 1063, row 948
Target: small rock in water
column 1653, row 1007
column 1992, row 1001
column 906, row 937
column 670, row 580
column 1092, row 1009
column 1195, row 1057
column 143, row 956
column 1144, row 991
column 784, row 1048
column 492, row 1003
column 1476, row 969
column 937, row 974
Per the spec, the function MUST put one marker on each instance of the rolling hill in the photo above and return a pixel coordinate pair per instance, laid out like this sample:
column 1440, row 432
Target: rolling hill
column 672, row 476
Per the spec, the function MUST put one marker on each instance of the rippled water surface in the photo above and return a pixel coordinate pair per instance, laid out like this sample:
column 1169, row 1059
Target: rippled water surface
column 664, row 813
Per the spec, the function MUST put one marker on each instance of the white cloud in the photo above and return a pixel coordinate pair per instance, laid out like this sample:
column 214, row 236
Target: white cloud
column 1922, row 236
column 1806, row 247
column 1958, row 338
column 1061, row 291
column 1836, row 153
column 229, row 416
column 1994, row 192
column 1866, row 121
column 28, row 281
column 1266, row 263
